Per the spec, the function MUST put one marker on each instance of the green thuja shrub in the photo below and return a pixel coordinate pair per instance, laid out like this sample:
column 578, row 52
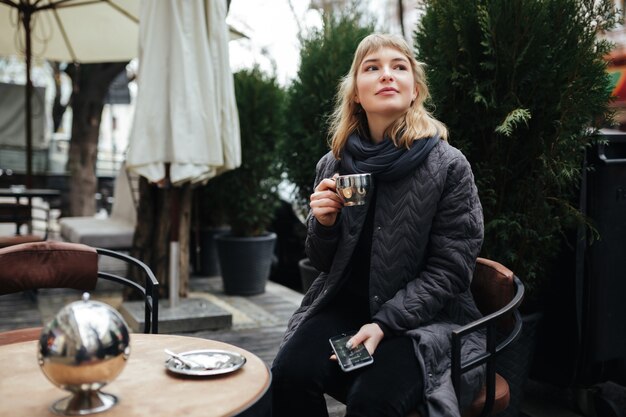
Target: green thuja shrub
column 248, row 194
column 522, row 86
column 325, row 57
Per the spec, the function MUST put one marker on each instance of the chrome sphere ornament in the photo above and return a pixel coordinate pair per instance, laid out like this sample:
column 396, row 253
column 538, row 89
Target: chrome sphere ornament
column 81, row 350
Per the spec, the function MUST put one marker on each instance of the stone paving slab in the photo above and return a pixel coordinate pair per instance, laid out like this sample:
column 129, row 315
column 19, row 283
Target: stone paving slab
column 191, row 314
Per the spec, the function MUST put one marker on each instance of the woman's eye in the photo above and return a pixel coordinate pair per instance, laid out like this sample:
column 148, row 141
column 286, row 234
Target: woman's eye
column 371, row 68
column 401, row 67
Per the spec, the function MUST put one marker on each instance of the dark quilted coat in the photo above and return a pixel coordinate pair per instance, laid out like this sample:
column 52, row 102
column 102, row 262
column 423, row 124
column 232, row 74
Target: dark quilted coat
column 428, row 230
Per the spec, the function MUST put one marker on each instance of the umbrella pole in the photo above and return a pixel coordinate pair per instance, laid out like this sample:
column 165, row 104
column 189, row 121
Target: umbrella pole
column 174, row 281
column 174, row 270
column 26, row 15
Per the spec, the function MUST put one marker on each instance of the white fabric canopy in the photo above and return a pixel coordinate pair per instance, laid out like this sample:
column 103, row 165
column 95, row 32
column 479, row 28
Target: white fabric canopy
column 186, row 113
column 74, row 30
column 84, row 31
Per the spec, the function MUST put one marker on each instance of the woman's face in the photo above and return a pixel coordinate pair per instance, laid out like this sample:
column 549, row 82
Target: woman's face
column 385, row 86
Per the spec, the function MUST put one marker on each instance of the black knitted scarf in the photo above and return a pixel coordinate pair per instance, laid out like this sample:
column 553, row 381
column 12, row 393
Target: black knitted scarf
column 384, row 160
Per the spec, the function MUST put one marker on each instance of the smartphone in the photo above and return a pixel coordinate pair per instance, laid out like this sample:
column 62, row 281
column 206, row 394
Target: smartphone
column 350, row 359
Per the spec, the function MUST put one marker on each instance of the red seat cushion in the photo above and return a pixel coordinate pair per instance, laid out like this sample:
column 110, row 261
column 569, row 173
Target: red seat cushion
column 48, row 265
column 493, row 288
column 500, row 402
column 20, row 335
column 6, row 241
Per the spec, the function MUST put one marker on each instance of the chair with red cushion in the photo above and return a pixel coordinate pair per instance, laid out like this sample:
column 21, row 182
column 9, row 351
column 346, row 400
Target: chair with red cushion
column 51, row 264
column 498, row 294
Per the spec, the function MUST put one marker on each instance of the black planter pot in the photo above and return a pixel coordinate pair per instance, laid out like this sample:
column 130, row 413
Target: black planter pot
column 245, row 262
column 308, row 273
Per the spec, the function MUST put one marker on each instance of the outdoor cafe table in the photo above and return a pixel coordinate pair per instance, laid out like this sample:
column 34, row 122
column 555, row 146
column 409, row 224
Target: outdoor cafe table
column 19, row 192
column 144, row 387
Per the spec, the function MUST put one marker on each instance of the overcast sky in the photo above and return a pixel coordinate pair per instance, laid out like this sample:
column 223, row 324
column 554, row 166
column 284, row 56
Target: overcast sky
column 272, row 27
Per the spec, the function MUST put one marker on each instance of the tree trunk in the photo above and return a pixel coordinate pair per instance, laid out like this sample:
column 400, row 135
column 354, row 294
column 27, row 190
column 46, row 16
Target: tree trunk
column 91, row 83
column 184, row 230
column 154, row 231
column 401, row 17
column 58, row 109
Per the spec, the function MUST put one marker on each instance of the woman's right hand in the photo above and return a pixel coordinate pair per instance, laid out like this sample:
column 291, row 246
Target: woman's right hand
column 325, row 203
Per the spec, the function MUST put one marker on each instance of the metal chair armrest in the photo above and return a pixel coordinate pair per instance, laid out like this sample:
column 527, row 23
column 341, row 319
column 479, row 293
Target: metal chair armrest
column 151, row 291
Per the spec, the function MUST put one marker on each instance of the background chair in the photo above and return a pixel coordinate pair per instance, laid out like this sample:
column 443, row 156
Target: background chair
column 37, row 219
column 31, row 266
column 113, row 232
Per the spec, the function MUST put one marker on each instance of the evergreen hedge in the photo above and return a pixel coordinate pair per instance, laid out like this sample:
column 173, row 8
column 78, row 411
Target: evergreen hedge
column 247, row 195
column 522, row 85
column 325, row 57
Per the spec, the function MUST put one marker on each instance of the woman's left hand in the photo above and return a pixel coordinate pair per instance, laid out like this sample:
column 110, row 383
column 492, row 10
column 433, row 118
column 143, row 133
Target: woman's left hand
column 369, row 334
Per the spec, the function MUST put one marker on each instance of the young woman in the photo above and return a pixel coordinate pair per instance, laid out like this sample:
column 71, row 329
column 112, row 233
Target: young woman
column 397, row 270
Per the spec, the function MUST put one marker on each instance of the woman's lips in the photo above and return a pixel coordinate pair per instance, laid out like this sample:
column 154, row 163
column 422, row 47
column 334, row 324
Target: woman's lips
column 387, row 90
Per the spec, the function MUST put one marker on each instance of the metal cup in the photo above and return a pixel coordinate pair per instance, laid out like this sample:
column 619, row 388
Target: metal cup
column 354, row 189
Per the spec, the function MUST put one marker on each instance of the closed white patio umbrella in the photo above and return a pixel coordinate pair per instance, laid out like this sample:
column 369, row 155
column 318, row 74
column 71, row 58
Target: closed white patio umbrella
column 185, row 128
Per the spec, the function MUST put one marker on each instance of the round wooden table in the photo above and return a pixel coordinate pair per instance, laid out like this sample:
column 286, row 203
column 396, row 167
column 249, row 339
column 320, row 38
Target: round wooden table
column 144, row 388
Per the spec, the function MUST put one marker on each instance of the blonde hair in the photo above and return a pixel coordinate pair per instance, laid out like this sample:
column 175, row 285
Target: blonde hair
column 348, row 116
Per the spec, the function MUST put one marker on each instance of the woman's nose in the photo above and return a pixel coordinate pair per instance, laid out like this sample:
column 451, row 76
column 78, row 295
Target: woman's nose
column 386, row 74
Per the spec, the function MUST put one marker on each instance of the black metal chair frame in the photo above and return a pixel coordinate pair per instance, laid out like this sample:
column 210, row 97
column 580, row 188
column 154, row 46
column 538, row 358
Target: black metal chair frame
column 492, row 348
column 21, row 214
column 149, row 293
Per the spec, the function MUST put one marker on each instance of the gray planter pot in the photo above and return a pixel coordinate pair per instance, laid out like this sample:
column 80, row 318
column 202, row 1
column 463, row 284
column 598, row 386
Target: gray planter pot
column 308, row 273
column 245, row 262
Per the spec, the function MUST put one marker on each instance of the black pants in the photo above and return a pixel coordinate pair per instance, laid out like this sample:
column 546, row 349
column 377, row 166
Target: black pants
column 302, row 372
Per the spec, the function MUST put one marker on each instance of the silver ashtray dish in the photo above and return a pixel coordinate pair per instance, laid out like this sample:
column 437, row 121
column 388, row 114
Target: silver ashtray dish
column 206, row 362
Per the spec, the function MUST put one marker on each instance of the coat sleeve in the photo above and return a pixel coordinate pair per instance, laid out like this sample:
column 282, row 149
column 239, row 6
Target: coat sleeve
column 455, row 239
column 321, row 241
